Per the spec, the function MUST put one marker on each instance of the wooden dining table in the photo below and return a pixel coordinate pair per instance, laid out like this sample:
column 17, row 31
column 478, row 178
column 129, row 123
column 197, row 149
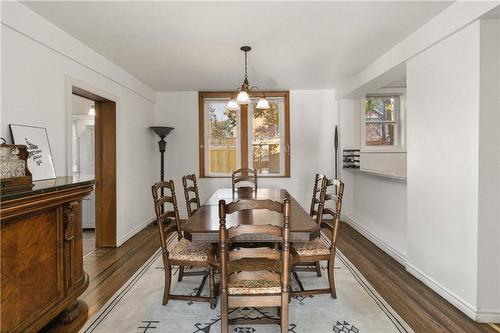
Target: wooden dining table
column 203, row 226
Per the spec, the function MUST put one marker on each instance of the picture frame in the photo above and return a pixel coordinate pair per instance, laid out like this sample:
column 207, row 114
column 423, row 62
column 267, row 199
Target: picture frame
column 40, row 160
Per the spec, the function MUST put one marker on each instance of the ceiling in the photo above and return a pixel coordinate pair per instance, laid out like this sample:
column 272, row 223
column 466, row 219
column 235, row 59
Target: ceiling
column 176, row 46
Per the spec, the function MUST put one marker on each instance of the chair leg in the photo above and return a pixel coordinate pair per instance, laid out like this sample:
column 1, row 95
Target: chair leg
column 168, row 277
column 331, row 277
column 211, row 282
column 318, row 268
column 284, row 312
column 224, row 312
column 181, row 273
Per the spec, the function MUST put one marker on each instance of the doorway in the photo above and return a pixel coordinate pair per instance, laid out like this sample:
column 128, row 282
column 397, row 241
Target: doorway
column 93, row 127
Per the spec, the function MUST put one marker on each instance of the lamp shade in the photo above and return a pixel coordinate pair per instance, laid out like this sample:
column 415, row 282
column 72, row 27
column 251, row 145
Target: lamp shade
column 92, row 111
column 243, row 98
column 161, row 131
column 263, row 104
column 232, row 105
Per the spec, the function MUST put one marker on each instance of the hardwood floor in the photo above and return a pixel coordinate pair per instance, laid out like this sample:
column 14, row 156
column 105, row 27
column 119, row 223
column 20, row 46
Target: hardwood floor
column 88, row 241
column 110, row 268
column 419, row 306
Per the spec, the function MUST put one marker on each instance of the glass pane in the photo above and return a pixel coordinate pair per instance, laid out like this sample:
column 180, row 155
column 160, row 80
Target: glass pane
column 222, row 138
column 266, row 141
column 380, row 134
column 381, row 108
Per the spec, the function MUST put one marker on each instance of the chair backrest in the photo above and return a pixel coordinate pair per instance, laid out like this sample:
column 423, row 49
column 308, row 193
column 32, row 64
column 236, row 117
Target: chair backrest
column 327, row 215
column 318, row 179
column 168, row 221
column 237, row 233
column 244, row 175
column 191, row 186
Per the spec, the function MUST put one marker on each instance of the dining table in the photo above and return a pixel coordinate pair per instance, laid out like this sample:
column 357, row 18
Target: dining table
column 203, row 226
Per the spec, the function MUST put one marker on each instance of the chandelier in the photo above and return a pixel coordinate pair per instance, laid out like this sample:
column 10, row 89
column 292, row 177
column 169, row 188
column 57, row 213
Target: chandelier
column 245, row 90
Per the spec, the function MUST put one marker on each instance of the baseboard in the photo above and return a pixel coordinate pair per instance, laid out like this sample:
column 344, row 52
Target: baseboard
column 391, row 251
column 481, row 316
column 134, row 231
column 488, row 316
column 448, row 295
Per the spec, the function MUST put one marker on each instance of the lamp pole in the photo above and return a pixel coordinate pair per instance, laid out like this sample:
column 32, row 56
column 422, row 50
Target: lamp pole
column 162, row 132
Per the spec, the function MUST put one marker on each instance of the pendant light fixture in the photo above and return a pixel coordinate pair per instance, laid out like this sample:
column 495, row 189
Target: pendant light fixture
column 92, row 111
column 243, row 97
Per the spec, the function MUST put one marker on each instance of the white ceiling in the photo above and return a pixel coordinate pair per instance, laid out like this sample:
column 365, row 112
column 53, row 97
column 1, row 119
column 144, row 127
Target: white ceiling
column 173, row 46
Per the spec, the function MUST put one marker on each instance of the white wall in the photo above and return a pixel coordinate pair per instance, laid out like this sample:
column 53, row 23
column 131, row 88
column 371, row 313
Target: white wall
column 313, row 116
column 451, row 232
column 453, row 170
column 375, row 206
column 37, row 61
column 488, row 274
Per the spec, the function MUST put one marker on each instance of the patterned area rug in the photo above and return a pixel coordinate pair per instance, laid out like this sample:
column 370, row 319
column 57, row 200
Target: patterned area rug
column 137, row 308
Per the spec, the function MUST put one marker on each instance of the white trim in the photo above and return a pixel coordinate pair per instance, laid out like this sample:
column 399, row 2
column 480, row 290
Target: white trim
column 384, row 246
column 488, row 316
column 70, row 83
column 448, row 295
column 400, row 123
column 134, row 231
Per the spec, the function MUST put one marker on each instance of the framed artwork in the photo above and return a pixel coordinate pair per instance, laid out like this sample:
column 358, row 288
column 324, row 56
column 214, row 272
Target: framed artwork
column 40, row 161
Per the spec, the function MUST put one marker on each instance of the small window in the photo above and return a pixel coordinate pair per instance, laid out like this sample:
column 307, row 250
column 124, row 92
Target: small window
column 247, row 138
column 382, row 122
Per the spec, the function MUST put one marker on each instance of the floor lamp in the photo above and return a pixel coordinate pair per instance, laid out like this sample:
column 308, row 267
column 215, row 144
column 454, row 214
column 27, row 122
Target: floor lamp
column 162, row 132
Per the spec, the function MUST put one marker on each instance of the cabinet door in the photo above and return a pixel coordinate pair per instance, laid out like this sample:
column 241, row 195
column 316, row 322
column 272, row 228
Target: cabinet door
column 32, row 278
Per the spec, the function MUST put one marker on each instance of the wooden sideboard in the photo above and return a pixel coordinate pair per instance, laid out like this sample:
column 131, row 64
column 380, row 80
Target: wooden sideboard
column 42, row 272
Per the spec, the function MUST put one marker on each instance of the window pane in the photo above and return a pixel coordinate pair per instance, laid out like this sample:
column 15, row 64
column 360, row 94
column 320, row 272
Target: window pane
column 380, row 134
column 383, row 108
column 266, row 139
column 223, row 136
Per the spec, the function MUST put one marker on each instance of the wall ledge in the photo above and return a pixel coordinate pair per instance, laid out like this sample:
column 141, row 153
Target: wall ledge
column 384, row 246
column 383, row 174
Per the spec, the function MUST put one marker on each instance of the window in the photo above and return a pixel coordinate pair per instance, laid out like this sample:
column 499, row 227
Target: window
column 250, row 137
column 382, row 122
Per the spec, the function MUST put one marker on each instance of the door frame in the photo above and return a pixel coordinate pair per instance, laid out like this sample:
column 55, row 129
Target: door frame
column 105, row 157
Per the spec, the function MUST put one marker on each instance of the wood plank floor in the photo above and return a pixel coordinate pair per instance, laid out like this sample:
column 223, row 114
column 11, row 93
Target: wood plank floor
column 419, row 306
column 110, row 268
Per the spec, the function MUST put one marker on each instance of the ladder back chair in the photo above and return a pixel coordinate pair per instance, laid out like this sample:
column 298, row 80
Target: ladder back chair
column 318, row 181
column 184, row 253
column 188, row 189
column 319, row 249
column 254, row 276
column 244, row 175
column 318, row 185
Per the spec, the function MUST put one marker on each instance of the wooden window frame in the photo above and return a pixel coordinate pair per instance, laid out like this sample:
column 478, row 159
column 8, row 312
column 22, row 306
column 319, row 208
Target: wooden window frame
column 244, row 144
